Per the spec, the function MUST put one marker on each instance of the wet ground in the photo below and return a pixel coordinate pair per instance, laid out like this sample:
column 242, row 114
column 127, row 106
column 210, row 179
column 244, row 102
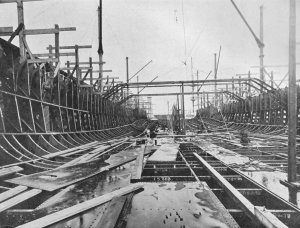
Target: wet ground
column 173, row 204
column 267, row 176
column 177, row 205
column 88, row 189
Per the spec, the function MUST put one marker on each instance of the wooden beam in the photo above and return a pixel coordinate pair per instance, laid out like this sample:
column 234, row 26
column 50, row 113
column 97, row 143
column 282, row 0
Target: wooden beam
column 105, row 78
column 138, row 166
column 13, row 1
column 6, row 31
column 48, row 31
column 112, row 213
column 11, row 170
column 42, row 60
column 86, row 86
column 72, row 63
column 243, row 203
column 269, row 219
column 37, row 180
column 81, row 68
column 73, row 47
column 12, row 192
column 19, row 199
column 97, row 71
column 41, row 31
column 79, row 208
column 292, row 100
column 52, row 54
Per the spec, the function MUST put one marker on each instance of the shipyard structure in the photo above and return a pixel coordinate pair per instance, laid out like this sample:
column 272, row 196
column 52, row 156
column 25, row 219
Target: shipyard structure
column 79, row 149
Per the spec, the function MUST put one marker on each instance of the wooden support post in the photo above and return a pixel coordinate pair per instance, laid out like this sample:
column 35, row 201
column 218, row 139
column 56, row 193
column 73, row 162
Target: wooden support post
column 232, row 85
column 57, row 42
column 215, row 77
column 292, row 99
column 127, row 76
column 100, row 49
column 77, row 64
column 198, row 101
column 240, row 86
column 91, row 72
column 261, row 47
column 178, row 111
column 272, row 79
column 207, row 100
column 21, row 33
column 249, row 83
column 138, row 99
column 201, row 105
column 183, row 111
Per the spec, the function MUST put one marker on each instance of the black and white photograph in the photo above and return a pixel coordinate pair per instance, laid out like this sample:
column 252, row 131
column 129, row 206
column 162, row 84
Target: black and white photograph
column 149, row 114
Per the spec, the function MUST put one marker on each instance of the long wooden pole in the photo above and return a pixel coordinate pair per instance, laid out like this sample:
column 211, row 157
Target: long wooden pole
column 100, row 49
column 198, row 90
column 292, row 96
column 178, row 111
column 21, row 33
column 183, row 111
column 215, row 77
column 261, row 47
column 127, row 75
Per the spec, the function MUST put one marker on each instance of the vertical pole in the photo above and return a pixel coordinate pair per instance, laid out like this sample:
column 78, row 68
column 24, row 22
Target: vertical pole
column 198, row 89
column 77, row 75
column 193, row 88
column 21, row 33
column 232, row 85
column 201, row 105
column 57, row 42
column 207, row 100
column 183, row 111
column 178, row 111
column 127, row 75
column 150, row 106
column 240, row 86
column 100, row 49
column 77, row 63
column 91, row 71
column 215, row 77
column 168, row 108
column 272, row 79
column 137, row 92
column 292, row 96
column 50, row 51
column 249, row 83
column 261, row 47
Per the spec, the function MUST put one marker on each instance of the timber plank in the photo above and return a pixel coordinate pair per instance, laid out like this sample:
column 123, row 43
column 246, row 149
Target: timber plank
column 10, row 170
column 139, row 166
column 111, row 215
column 244, row 203
column 12, row 192
column 19, row 199
column 71, row 211
column 62, row 177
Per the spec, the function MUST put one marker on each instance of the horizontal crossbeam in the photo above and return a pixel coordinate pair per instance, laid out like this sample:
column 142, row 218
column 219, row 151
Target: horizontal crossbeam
column 40, row 31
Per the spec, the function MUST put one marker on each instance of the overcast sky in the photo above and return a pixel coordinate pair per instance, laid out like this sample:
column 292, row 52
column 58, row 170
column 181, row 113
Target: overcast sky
column 147, row 30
